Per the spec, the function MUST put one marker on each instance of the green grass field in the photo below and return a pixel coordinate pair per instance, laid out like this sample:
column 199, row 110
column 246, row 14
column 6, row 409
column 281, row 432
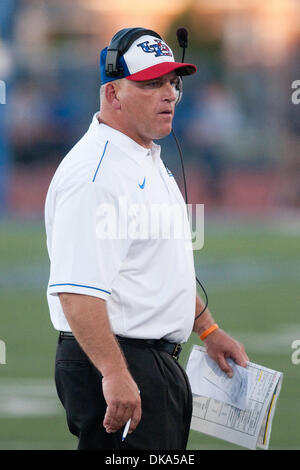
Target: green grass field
column 252, row 275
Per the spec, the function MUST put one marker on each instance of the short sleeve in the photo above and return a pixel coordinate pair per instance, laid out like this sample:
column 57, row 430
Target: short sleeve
column 86, row 250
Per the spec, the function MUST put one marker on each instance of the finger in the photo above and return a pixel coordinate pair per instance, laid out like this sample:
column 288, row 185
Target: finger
column 245, row 355
column 109, row 417
column 123, row 417
column 240, row 357
column 243, row 362
column 135, row 418
column 224, row 366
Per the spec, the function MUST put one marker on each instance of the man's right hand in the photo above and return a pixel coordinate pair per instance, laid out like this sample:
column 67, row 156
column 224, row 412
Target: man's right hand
column 88, row 319
column 123, row 401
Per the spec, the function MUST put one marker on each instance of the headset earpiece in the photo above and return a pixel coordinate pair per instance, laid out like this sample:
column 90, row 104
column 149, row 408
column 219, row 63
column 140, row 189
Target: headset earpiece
column 119, row 44
column 179, row 90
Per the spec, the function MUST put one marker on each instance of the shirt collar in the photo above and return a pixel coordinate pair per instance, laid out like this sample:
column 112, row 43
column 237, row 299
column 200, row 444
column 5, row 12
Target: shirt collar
column 125, row 143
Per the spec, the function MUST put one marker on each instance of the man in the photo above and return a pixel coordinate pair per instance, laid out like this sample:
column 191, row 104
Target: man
column 123, row 304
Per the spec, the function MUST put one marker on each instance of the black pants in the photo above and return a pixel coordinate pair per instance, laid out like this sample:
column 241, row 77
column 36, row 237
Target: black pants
column 165, row 396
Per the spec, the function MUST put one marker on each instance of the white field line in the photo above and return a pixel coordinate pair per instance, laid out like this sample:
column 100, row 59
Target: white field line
column 277, row 341
column 37, row 445
column 235, row 273
column 21, row 398
column 218, row 274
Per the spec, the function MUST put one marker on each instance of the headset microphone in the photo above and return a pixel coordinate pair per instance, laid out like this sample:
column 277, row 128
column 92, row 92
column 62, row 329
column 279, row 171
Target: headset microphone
column 182, row 36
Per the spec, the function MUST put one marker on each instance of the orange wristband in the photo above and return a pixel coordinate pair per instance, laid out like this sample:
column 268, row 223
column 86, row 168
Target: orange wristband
column 208, row 331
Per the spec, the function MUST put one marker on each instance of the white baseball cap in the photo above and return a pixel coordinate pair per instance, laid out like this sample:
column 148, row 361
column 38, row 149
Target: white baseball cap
column 147, row 58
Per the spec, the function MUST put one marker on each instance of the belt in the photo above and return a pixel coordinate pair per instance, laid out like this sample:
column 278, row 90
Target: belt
column 174, row 349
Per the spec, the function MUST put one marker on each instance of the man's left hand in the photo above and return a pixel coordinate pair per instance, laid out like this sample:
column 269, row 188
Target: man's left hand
column 219, row 346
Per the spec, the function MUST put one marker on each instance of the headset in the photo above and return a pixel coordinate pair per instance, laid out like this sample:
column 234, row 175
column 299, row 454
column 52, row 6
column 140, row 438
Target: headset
column 119, row 44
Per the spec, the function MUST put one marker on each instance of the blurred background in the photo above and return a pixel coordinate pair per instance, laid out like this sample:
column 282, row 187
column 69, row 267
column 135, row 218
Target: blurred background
column 240, row 134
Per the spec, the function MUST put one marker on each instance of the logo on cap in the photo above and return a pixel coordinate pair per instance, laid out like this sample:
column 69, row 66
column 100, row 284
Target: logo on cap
column 160, row 48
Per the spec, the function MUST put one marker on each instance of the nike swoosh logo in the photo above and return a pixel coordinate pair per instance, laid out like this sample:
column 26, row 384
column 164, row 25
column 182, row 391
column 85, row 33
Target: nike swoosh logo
column 143, row 184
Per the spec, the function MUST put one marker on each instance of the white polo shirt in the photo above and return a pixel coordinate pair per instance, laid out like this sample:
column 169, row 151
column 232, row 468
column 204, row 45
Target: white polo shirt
column 111, row 219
